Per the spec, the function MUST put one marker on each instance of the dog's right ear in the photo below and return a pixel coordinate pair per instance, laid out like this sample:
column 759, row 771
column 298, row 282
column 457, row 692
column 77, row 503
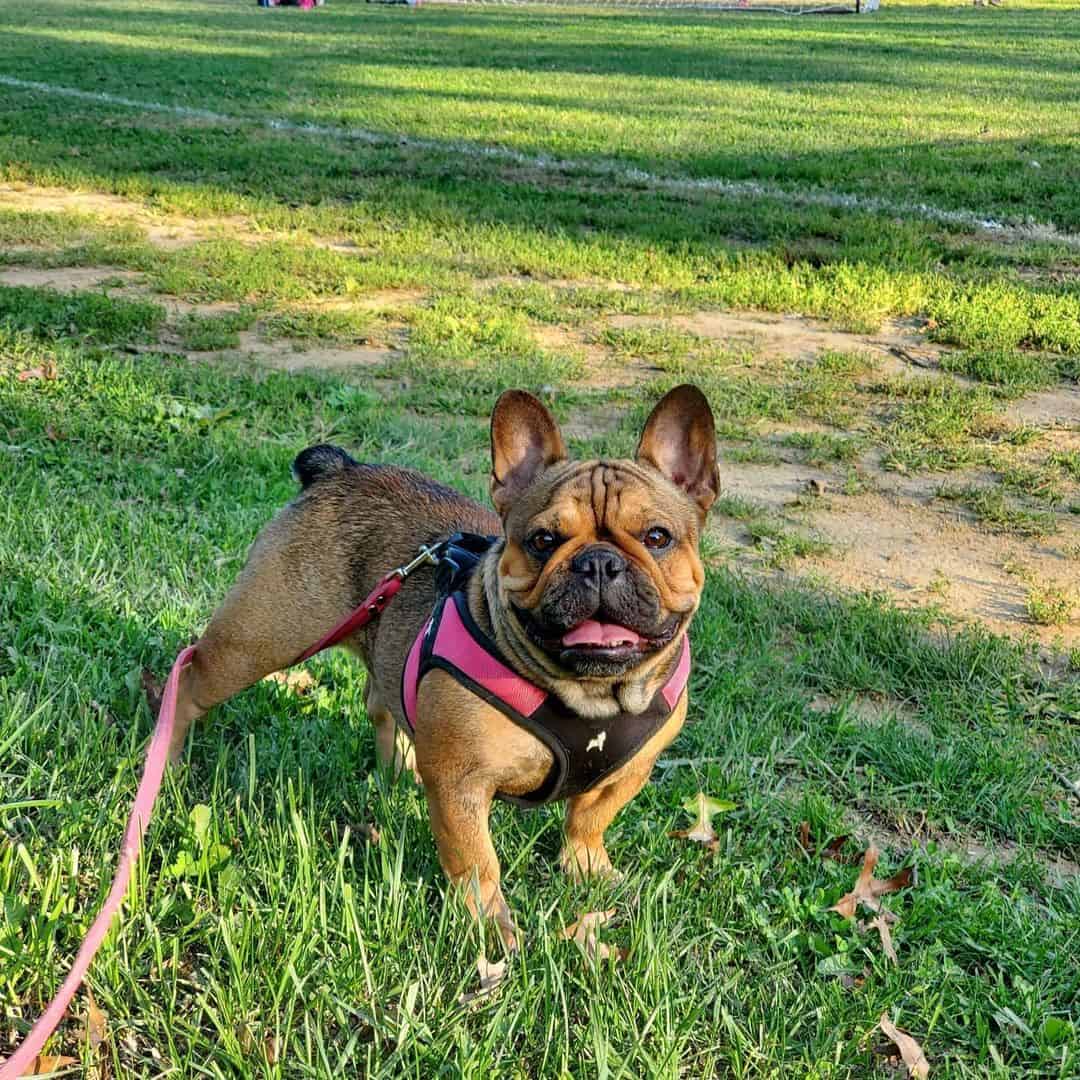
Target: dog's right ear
column 525, row 440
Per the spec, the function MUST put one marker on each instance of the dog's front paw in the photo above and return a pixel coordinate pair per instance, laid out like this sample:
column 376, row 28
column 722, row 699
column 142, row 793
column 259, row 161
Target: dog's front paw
column 582, row 862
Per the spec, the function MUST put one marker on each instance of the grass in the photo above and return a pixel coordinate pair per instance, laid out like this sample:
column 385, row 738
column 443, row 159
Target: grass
column 90, row 315
column 725, row 948
column 343, row 326
column 208, row 333
column 780, row 545
column 822, row 448
column 1050, row 603
column 1011, row 372
column 994, row 510
column 937, row 424
column 265, row 935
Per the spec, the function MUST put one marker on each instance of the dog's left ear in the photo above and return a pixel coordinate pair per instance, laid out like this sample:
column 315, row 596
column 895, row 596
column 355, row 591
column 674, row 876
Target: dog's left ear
column 525, row 440
column 679, row 440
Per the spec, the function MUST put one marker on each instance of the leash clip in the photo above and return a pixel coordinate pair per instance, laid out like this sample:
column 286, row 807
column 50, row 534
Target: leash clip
column 427, row 555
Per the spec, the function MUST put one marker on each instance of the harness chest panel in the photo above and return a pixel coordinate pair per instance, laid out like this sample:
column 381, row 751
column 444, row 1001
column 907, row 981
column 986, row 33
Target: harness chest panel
column 585, row 750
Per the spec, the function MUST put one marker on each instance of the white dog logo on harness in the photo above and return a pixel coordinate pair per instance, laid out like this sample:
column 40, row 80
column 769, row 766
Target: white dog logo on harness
column 597, row 743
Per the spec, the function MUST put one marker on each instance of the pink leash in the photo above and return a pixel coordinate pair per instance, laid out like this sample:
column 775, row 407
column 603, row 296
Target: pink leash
column 143, row 808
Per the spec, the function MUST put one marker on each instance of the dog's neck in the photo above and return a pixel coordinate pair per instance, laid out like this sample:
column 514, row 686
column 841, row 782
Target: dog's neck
column 591, row 698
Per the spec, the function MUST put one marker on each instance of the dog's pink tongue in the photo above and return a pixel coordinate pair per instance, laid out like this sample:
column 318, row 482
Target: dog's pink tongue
column 590, row 632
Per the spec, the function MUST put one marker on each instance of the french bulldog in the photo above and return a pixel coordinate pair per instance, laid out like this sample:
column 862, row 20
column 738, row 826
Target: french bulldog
column 557, row 670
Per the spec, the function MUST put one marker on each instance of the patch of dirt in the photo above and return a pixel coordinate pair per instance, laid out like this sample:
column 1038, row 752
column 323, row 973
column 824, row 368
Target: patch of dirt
column 791, row 336
column 1048, row 408
column 870, row 827
column 286, row 355
column 900, row 540
column 873, row 711
column 591, row 423
column 54, row 200
column 65, row 279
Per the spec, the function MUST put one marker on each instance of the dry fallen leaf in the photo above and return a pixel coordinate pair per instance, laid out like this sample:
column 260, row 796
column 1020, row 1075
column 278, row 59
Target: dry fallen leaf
column 705, row 810
column 491, row 975
column 804, row 837
column 298, row 681
column 153, row 689
column 370, row 833
column 44, row 371
column 583, row 934
column 272, row 1048
column 868, row 888
column 835, row 850
column 97, row 1025
column 44, row 1064
column 881, row 922
column 910, row 1050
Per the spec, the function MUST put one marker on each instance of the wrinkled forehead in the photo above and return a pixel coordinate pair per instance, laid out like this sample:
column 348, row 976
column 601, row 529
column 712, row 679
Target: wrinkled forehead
column 583, row 496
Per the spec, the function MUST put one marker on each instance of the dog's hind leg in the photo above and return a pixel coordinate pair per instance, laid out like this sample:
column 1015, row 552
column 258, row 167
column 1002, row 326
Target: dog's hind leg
column 287, row 596
column 393, row 748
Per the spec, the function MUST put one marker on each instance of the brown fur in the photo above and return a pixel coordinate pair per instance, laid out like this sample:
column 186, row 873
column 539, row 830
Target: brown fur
column 352, row 524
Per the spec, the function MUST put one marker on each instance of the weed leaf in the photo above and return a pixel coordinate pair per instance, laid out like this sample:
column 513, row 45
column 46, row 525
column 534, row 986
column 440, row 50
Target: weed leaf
column 704, row 809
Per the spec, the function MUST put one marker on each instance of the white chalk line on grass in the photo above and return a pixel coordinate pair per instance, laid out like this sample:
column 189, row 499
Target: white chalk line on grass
column 602, row 170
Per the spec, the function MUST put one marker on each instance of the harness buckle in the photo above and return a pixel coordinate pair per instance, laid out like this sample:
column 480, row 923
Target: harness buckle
column 427, row 555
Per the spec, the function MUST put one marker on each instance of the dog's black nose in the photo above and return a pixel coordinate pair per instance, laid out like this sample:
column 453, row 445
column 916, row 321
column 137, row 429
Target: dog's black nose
column 598, row 564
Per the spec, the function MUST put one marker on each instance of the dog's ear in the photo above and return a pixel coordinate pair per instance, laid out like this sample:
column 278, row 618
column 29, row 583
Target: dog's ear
column 679, row 440
column 525, row 440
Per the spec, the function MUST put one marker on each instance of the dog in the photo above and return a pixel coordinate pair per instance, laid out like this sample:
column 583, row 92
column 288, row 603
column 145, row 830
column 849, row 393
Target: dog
column 558, row 669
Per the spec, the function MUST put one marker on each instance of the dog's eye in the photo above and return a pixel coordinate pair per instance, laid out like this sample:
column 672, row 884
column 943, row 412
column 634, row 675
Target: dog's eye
column 543, row 542
column 656, row 539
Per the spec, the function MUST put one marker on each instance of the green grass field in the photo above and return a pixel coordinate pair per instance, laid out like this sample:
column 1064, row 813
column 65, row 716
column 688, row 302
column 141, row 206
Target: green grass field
column 188, row 300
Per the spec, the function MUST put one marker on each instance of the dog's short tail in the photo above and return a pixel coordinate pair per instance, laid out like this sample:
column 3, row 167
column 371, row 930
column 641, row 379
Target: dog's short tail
column 319, row 462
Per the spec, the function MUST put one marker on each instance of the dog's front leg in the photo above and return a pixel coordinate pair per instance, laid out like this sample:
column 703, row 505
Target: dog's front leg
column 459, row 821
column 588, row 815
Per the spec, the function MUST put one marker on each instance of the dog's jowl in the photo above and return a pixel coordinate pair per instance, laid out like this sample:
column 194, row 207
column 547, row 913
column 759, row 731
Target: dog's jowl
column 556, row 669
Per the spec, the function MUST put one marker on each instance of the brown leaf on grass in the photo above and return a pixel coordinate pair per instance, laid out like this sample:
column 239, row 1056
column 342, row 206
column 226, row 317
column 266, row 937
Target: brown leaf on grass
column 868, row 888
column 52, row 434
column 881, row 923
column 153, row 689
column 370, row 833
column 97, row 1024
column 910, row 1051
column 298, row 681
column 853, row 982
column 704, row 809
column 804, row 837
column 45, row 371
column 491, row 975
column 583, row 934
column 44, row 1064
column 835, row 850
column 272, row 1049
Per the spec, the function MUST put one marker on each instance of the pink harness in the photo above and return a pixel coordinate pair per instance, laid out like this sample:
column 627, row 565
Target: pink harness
column 584, row 750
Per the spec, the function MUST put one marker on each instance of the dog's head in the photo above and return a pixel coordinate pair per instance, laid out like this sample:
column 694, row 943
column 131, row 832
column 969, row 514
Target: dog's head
column 600, row 571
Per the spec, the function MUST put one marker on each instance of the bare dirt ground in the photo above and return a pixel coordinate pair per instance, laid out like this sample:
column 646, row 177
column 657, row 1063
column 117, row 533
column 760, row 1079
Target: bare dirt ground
column 893, row 534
